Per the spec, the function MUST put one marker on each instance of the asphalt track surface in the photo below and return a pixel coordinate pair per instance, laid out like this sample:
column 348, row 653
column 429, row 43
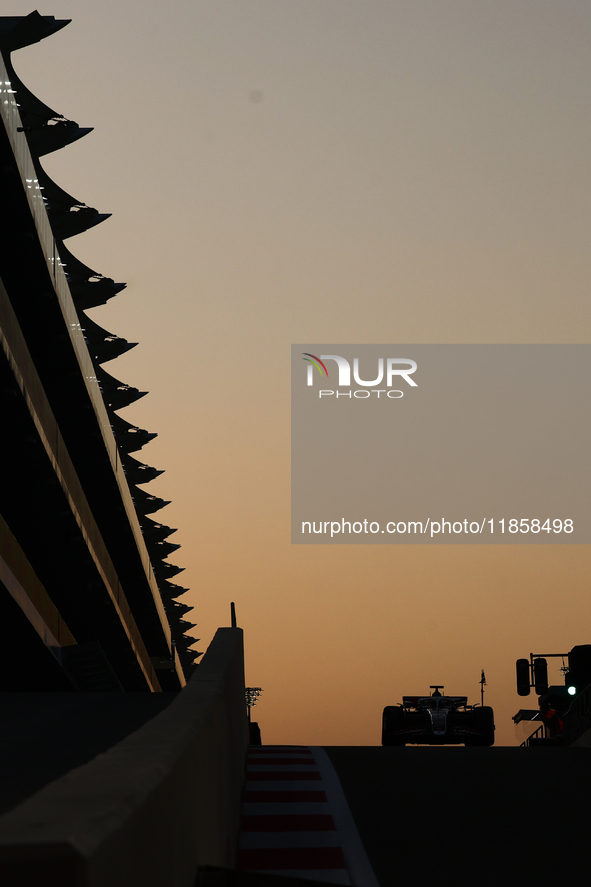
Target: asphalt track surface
column 473, row 816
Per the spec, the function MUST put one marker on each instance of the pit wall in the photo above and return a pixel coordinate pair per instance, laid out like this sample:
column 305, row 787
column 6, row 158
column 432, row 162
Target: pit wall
column 154, row 807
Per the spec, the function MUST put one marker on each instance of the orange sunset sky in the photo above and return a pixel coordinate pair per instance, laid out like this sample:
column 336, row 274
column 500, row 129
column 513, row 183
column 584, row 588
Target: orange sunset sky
column 329, row 171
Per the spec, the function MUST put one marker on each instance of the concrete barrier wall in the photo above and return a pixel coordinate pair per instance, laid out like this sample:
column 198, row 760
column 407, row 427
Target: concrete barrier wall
column 153, row 808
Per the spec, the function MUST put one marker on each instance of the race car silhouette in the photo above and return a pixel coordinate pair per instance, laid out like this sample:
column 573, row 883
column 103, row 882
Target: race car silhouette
column 438, row 720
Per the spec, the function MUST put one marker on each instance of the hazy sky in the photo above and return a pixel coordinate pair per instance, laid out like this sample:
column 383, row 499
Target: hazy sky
column 329, row 171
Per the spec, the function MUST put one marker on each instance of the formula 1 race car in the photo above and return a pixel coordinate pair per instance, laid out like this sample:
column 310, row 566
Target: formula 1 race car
column 438, row 720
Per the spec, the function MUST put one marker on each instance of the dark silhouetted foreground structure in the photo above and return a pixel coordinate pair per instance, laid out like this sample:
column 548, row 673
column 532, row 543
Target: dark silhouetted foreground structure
column 86, row 598
column 564, row 710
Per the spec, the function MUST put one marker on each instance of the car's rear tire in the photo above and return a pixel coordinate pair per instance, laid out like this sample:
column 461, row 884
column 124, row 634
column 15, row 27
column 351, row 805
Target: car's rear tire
column 392, row 722
column 483, row 720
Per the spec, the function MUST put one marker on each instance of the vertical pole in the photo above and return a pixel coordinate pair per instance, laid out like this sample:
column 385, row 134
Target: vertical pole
column 233, row 614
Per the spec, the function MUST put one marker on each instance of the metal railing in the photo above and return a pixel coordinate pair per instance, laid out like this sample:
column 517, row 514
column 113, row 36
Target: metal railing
column 577, row 721
column 537, row 734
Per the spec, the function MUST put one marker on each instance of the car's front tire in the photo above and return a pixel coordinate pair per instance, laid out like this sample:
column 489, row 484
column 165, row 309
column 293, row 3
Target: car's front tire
column 393, row 721
column 483, row 720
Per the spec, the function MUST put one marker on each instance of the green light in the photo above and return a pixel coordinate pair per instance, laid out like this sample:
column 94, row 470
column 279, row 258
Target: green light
column 572, row 691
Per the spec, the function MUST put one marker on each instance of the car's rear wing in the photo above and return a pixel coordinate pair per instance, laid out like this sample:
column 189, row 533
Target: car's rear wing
column 414, row 700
